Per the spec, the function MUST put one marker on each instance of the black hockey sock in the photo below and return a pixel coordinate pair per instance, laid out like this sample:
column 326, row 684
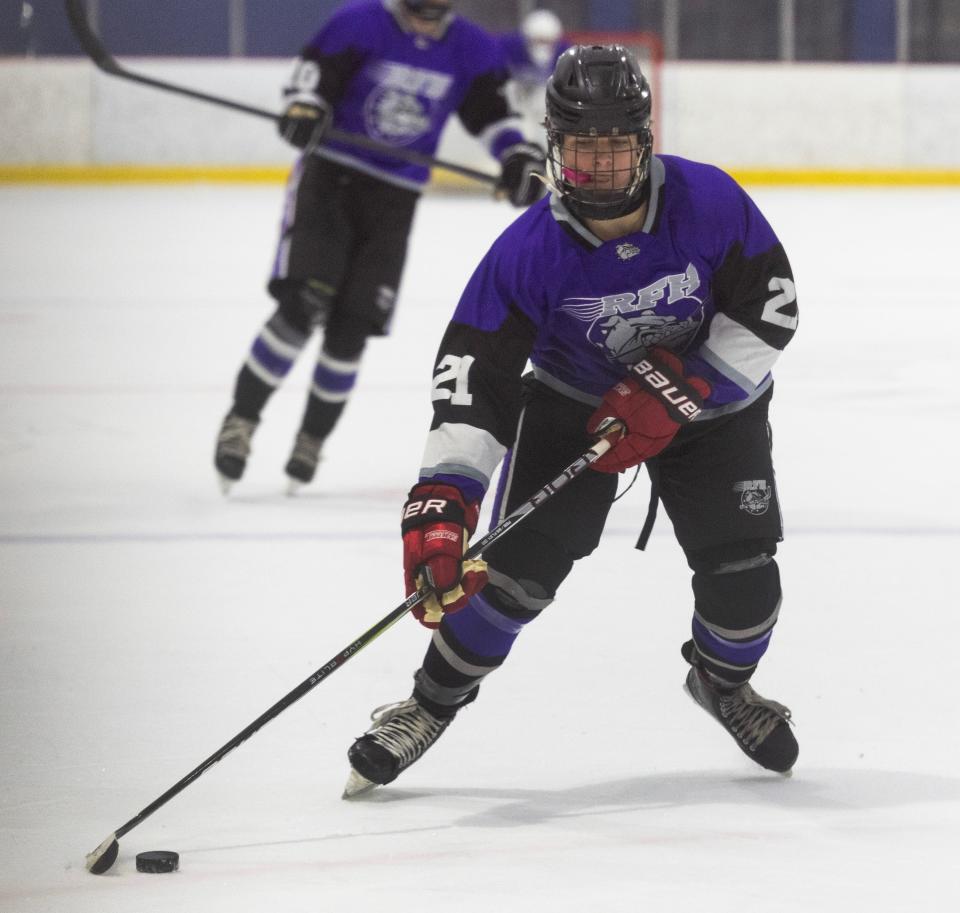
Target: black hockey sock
column 320, row 416
column 468, row 646
column 250, row 395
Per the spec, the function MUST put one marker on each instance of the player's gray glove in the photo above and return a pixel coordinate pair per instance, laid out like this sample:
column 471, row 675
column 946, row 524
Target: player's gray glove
column 304, row 123
column 520, row 164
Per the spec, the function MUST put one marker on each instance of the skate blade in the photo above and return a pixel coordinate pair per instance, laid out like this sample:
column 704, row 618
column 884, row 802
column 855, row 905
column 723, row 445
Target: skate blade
column 294, row 486
column 225, row 484
column 357, row 785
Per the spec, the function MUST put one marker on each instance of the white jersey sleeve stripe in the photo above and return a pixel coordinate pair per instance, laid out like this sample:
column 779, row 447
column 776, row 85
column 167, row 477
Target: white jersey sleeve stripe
column 737, row 353
column 459, row 449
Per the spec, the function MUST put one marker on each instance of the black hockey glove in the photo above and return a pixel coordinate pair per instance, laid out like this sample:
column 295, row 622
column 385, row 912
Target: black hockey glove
column 520, row 163
column 304, row 123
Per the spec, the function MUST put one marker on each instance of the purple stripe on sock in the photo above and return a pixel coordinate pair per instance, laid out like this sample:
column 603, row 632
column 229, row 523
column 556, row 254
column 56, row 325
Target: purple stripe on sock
column 742, row 653
column 474, row 627
column 333, row 381
column 277, row 365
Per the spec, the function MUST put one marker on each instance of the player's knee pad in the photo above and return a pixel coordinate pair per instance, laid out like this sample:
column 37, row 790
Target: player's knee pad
column 738, row 596
column 527, row 568
column 305, row 304
column 737, row 601
column 520, row 601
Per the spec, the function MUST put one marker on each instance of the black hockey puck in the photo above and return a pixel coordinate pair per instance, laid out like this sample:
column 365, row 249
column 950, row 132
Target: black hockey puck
column 157, row 861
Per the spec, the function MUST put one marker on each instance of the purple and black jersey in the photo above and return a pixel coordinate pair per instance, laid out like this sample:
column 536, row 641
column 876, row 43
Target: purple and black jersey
column 400, row 88
column 706, row 277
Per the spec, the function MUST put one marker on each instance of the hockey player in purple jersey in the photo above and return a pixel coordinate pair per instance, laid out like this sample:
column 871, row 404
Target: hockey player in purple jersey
column 641, row 274
column 531, row 53
column 394, row 71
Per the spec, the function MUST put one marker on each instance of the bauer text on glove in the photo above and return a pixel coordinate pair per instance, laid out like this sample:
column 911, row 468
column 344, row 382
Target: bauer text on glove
column 437, row 524
column 652, row 403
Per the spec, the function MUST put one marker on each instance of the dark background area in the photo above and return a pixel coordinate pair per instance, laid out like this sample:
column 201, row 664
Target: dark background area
column 821, row 30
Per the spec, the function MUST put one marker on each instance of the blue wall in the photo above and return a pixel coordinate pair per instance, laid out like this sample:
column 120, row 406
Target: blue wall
column 171, row 28
column 279, row 28
column 272, row 35
column 873, row 31
column 274, row 28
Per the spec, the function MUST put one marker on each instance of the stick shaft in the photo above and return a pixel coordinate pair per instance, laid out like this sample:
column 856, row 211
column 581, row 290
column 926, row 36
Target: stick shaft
column 96, row 51
column 414, row 599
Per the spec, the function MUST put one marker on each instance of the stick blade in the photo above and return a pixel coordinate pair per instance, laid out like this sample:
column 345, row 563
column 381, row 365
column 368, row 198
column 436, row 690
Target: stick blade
column 104, row 856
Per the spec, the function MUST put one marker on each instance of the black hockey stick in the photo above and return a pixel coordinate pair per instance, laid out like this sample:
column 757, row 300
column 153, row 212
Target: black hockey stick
column 94, row 49
column 104, row 856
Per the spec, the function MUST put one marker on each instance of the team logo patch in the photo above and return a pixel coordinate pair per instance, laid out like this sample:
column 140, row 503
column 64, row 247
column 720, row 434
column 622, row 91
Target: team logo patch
column 626, row 251
column 755, row 496
column 396, row 117
column 400, row 108
column 627, row 325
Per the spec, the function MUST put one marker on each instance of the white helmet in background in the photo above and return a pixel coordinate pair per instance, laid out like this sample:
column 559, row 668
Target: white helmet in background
column 542, row 30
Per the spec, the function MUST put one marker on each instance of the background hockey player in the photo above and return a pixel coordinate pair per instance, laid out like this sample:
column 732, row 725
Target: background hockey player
column 647, row 289
column 530, row 55
column 394, row 71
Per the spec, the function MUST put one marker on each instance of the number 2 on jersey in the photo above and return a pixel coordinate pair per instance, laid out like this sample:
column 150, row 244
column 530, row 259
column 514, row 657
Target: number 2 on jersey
column 772, row 312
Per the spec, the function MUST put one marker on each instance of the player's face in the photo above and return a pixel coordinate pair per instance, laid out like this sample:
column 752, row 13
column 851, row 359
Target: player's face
column 600, row 162
column 428, row 13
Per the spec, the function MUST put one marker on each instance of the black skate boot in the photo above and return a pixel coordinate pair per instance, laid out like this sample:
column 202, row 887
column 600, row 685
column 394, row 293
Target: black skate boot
column 233, row 448
column 303, row 461
column 760, row 727
column 400, row 734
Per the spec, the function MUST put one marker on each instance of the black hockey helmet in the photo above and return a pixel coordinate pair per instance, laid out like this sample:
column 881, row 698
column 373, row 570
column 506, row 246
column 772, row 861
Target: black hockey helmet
column 430, row 10
column 599, row 91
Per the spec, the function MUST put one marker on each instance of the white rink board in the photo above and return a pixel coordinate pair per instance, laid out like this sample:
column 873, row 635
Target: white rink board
column 736, row 115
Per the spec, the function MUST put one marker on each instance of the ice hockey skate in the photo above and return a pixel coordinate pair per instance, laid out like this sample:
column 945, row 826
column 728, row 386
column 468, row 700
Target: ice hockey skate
column 233, row 448
column 400, row 734
column 304, row 458
column 759, row 726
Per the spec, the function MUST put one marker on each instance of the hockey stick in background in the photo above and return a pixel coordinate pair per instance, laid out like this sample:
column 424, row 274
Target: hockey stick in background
column 104, row 856
column 94, row 49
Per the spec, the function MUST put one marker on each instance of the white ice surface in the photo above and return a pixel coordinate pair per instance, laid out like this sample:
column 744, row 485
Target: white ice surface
column 145, row 619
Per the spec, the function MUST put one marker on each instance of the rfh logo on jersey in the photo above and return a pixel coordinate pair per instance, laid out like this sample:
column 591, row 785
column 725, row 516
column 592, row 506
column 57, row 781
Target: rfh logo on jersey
column 626, row 325
column 399, row 107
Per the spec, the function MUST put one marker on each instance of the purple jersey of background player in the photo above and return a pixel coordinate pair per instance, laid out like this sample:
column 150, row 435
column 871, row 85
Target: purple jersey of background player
column 399, row 87
column 700, row 278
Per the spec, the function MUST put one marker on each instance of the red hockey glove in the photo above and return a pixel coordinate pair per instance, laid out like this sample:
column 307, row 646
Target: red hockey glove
column 437, row 524
column 652, row 402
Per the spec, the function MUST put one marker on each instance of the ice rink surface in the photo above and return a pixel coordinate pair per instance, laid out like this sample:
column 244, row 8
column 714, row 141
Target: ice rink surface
column 146, row 619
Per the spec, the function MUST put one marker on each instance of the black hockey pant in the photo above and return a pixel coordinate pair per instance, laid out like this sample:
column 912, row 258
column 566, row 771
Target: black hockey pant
column 342, row 248
column 717, row 485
